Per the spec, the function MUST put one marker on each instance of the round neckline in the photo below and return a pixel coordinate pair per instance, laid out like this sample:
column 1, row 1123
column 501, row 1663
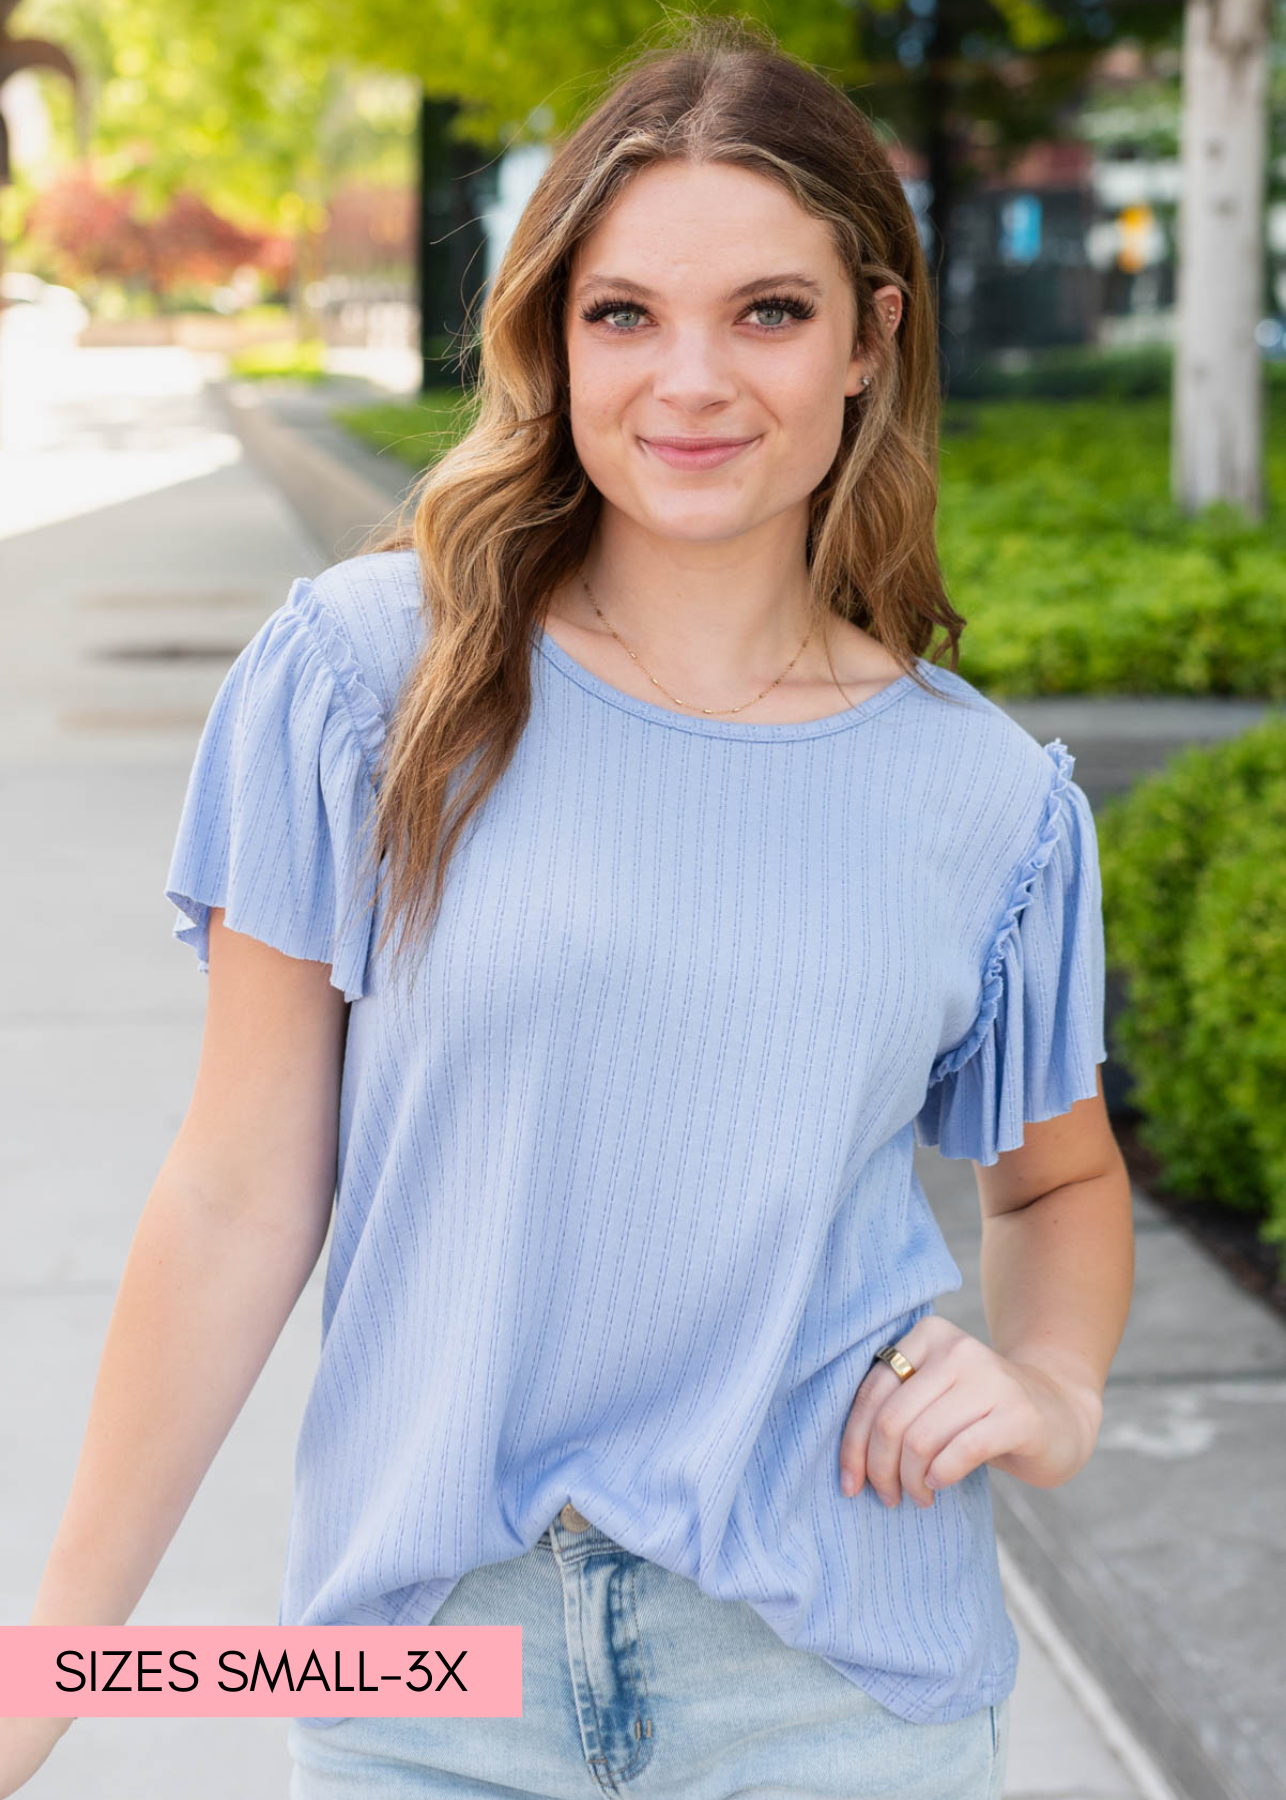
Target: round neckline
column 781, row 732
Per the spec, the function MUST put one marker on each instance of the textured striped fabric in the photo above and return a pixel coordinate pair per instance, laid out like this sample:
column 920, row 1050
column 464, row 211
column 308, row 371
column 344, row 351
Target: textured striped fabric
column 625, row 1197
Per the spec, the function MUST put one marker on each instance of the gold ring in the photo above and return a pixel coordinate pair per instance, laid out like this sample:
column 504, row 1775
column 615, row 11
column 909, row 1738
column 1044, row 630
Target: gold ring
column 896, row 1361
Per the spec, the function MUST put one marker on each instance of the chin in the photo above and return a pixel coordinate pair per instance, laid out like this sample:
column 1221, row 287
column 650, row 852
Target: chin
column 713, row 532
column 700, row 524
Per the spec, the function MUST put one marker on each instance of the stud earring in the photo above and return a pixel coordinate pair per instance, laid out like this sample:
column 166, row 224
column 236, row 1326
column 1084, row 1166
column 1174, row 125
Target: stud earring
column 866, row 381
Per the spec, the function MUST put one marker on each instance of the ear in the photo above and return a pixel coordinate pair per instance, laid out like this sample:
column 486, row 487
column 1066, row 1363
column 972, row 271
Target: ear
column 888, row 310
column 888, row 303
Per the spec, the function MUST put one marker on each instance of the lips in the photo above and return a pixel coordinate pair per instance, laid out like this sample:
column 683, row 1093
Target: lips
column 696, row 452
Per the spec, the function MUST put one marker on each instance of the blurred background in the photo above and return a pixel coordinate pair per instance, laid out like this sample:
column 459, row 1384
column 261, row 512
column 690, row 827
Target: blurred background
column 241, row 249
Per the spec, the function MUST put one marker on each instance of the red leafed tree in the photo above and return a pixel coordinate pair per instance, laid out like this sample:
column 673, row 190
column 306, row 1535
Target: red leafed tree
column 190, row 244
column 88, row 232
column 93, row 233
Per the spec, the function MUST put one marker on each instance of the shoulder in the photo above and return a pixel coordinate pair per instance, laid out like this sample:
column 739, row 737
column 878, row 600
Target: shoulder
column 366, row 617
column 989, row 771
column 374, row 602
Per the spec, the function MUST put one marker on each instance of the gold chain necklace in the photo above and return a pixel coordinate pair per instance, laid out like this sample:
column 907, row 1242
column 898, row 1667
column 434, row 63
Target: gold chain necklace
column 665, row 690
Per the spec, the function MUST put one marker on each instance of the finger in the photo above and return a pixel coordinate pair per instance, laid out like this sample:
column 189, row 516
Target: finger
column 968, row 1450
column 890, row 1423
column 874, row 1389
column 926, row 1437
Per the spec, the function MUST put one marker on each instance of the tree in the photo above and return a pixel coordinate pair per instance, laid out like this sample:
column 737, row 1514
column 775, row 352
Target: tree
column 246, row 106
column 94, row 234
column 1217, row 448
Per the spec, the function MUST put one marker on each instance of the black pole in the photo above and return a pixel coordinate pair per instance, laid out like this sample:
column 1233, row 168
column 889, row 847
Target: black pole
column 455, row 180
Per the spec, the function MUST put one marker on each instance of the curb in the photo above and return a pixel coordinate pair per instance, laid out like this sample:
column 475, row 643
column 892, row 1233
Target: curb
column 1176, row 1762
column 1030, row 1609
column 339, row 508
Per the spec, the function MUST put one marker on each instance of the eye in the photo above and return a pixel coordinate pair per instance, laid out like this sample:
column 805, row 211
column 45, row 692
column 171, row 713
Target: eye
column 783, row 303
column 790, row 306
column 607, row 309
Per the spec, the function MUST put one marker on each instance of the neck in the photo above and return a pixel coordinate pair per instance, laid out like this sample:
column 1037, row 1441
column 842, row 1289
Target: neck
column 741, row 604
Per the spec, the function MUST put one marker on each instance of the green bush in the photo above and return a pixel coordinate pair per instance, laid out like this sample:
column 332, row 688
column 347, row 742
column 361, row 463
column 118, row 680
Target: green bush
column 1077, row 572
column 1194, row 873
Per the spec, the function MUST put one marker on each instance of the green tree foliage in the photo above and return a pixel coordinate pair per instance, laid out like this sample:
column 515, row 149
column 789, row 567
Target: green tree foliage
column 246, row 104
column 521, row 72
column 251, row 102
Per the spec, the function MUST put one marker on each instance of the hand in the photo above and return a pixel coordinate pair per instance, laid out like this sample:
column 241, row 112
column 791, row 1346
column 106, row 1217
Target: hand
column 964, row 1406
column 24, row 1745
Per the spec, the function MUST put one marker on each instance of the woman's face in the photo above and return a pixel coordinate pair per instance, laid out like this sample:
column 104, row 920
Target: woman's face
column 708, row 306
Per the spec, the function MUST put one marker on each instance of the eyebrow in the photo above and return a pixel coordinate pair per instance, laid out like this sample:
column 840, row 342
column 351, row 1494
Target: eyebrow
column 791, row 277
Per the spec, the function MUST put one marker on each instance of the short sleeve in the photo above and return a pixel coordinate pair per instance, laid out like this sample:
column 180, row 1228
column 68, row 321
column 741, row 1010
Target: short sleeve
column 279, row 803
column 1035, row 1046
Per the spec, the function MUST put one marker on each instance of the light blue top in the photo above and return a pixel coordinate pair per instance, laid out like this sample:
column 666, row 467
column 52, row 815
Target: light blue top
column 625, row 1198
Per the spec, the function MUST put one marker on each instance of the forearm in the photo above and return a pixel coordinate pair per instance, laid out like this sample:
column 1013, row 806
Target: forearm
column 1057, row 1276
column 204, row 1294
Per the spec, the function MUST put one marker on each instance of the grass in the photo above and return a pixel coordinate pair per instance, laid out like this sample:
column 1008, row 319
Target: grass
column 298, row 361
column 416, row 432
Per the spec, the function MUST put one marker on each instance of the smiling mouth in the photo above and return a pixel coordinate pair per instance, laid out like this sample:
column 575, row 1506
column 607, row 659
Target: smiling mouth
column 696, row 453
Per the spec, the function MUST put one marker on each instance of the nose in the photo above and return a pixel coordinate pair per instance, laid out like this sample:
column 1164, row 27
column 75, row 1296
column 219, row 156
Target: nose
column 693, row 371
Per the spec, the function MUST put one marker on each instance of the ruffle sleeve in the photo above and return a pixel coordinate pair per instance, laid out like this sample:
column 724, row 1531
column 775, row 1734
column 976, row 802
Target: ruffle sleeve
column 1038, row 1037
column 275, row 821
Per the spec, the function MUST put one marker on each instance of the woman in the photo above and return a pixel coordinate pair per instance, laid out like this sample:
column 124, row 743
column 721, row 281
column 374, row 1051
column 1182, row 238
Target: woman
column 601, row 893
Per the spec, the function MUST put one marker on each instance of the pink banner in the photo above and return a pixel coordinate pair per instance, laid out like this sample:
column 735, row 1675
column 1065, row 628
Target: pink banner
column 260, row 1671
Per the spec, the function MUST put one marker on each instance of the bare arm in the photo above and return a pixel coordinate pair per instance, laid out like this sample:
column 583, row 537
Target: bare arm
column 1057, row 1269
column 228, row 1237
column 1057, row 1274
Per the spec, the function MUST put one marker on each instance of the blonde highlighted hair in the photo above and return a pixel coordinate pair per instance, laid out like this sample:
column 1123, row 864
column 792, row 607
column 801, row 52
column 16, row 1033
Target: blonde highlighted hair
column 507, row 514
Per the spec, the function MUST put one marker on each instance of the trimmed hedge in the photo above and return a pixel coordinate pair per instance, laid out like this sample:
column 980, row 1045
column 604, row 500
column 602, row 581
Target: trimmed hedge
column 1077, row 372
column 1194, row 889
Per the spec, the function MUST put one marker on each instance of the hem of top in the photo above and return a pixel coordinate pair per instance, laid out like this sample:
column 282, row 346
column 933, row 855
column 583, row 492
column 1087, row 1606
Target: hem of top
column 894, row 1692
column 1020, row 896
column 791, row 731
column 192, row 927
column 1085, row 1088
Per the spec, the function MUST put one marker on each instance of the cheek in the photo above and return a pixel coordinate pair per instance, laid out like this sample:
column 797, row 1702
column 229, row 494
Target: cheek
column 808, row 404
column 600, row 390
column 811, row 393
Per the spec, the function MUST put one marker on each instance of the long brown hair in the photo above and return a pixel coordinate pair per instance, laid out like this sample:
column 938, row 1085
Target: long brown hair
column 507, row 514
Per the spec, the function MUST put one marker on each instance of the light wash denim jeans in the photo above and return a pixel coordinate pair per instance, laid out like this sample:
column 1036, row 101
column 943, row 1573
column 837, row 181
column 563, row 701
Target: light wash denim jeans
column 635, row 1682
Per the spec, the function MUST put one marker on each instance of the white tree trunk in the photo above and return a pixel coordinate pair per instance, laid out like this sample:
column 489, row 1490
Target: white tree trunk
column 1217, row 448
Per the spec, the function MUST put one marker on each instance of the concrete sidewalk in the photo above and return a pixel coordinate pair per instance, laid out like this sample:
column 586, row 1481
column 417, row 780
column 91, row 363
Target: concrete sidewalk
column 140, row 550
